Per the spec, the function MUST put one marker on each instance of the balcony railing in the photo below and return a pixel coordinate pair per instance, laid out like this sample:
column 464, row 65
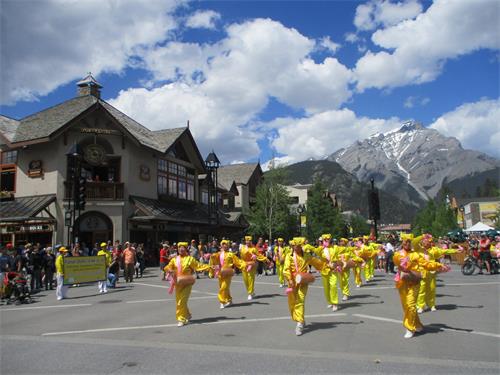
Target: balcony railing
column 99, row 190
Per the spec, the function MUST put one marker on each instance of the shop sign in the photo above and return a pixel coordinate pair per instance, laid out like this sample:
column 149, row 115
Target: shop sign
column 78, row 270
column 27, row 228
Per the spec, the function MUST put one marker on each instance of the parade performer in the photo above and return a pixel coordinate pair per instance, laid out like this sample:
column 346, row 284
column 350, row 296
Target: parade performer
column 362, row 253
column 330, row 273
column 250, row 256
column 103, row 285
column 280, row 252
column 350, row 261
column 427, row 291
column 223, row 262
column 369, row 252
column 61, row 289
column 410, row 265
column 180, row 270
column 296, row 273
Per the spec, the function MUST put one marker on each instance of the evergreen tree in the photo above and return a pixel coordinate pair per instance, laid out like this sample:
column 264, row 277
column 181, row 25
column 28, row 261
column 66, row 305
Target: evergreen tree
column 435, row 218
column 359, row 226
column 322, row 217
column 270, row 215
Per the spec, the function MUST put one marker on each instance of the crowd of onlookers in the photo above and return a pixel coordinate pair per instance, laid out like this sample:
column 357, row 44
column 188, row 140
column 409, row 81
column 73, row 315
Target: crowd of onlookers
column 37, row 263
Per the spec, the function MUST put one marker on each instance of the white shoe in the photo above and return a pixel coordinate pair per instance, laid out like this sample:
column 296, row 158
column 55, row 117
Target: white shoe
column 227, row 304
column 222, row 306
column 329, row 306
column 335, row 308
column 249, row 297
column 299, row 329
column 420, row 310
column 180, row 324
column 345, row 298
column 409, row 334
column 59, row 298
column 358, row 286
column 433, row 308
column 282, row 285
column 101, row 291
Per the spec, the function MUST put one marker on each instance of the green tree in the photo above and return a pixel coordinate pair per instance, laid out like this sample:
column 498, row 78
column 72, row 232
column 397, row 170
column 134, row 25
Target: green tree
column 359, row 226
column 321, row 216
column 435, row 218
column 270, row 215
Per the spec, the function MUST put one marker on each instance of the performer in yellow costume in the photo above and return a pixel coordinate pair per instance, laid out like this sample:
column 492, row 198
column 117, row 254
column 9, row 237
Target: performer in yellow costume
column 347, row 254
column 364, row 253
column 298, row 263
column 427, row 291
column 250, row 256
column 330, row 274
column 280, row 252
column 410, row 265
column 370, row 253
column 224, row 261
column 181, row 266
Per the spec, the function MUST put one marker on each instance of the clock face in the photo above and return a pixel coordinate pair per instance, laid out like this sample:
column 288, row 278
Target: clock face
column 94, row 154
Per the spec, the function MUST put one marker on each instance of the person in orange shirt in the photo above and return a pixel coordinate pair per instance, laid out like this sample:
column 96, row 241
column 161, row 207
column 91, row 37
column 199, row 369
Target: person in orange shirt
column 129, row 259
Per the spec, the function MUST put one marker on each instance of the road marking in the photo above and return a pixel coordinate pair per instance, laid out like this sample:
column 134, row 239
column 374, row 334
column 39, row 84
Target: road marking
column 443, row 329
column 45, row 307
column 168, row 287
column 253, row 320
column 167, row 300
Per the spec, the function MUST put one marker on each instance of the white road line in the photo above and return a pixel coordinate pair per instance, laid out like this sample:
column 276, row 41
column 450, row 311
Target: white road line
column 45, row 307
column 443, row 329
column 167, row 300
column 175, row 325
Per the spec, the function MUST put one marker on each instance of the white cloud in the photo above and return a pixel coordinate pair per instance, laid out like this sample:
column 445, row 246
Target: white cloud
column 49, row 43
column 257, row 60
column 413, row 101
column 418, row 49
column 328, row 44
column 203, row 19
column 475, row 125
column 323, row 133
column 351, row 37
column 385, row 13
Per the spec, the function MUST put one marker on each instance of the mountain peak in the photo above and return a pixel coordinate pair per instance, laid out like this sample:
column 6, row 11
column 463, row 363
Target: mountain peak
column 411, row 126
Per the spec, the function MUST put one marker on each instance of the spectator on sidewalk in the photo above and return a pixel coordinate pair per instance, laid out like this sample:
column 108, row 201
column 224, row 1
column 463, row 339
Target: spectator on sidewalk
column 129, row 260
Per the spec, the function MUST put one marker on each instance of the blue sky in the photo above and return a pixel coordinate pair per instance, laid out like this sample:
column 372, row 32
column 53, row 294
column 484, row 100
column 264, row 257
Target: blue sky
column 293, row 79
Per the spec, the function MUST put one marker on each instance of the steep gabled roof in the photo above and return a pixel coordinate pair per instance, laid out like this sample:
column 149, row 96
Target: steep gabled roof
column 8, row 128
column 166, row 138
column 46, row 122
column 239, row 173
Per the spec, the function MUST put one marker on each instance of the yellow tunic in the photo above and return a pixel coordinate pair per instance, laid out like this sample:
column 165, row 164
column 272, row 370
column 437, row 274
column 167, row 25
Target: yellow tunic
column 408, row 290
column 296, row 298
column 329, row 274
column 280, row 252
column 230, row 261
column 250, row 254
column 188, row 266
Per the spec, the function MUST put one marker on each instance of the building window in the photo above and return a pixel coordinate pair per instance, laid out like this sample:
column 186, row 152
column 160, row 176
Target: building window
column 9, row 157
column 204, row 197
column 175, row 180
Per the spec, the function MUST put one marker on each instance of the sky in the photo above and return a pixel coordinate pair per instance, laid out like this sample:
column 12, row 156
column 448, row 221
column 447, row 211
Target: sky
column 257, row 80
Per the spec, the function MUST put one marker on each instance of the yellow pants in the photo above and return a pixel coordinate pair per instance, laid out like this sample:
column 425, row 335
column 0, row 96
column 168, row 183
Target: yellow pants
column 357, row 275
column 224, row 291
column 408, row 293
column 249, row 280
column 344, row 282
column 427, row 291
column 369, row 269
column 182, row 294
column 279, row 271
column 296, row 302
column 330, row 288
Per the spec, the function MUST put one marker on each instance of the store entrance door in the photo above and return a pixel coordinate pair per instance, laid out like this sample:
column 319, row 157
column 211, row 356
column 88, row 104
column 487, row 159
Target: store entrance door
column 94, row 227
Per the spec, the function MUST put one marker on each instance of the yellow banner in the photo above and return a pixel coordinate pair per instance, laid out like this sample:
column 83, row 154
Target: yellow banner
column 78, row 270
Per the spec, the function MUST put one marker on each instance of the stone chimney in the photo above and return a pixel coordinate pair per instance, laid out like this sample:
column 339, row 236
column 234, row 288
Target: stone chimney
column 89, row 86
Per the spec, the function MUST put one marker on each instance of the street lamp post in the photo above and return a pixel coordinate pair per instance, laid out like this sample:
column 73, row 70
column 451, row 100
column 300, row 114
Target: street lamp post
column 74, row 155
column 462, row 212
column 212, row 164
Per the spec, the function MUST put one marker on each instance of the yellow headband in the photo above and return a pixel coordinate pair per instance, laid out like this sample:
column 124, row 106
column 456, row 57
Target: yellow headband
column 344, row 239
column 185, row 244
column 248, row 238
column 406, row 236
column 326, row 236
column 281, row 239
column 298, row 241
column 225, row 242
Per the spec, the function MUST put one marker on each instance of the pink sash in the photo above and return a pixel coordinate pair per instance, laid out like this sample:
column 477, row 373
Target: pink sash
column 179, row 267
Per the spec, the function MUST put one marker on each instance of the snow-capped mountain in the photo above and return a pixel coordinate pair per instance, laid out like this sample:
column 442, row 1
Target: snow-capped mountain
column 412, row 162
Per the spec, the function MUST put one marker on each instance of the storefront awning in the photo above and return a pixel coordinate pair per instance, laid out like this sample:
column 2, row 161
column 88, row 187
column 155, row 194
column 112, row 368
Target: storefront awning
column 26, row 208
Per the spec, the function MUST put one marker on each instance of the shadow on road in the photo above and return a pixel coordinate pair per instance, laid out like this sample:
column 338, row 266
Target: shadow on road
column 447, row 295
column 262, row 296
column 213, row 319
column 111, row 291
column 356, row 296
column 357, row 304
column 439, row 327
column 314, row 326
column 454, row 307
column 248, row 304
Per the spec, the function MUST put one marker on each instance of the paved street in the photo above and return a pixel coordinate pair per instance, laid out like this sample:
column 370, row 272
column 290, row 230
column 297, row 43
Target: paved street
column 132, row 329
